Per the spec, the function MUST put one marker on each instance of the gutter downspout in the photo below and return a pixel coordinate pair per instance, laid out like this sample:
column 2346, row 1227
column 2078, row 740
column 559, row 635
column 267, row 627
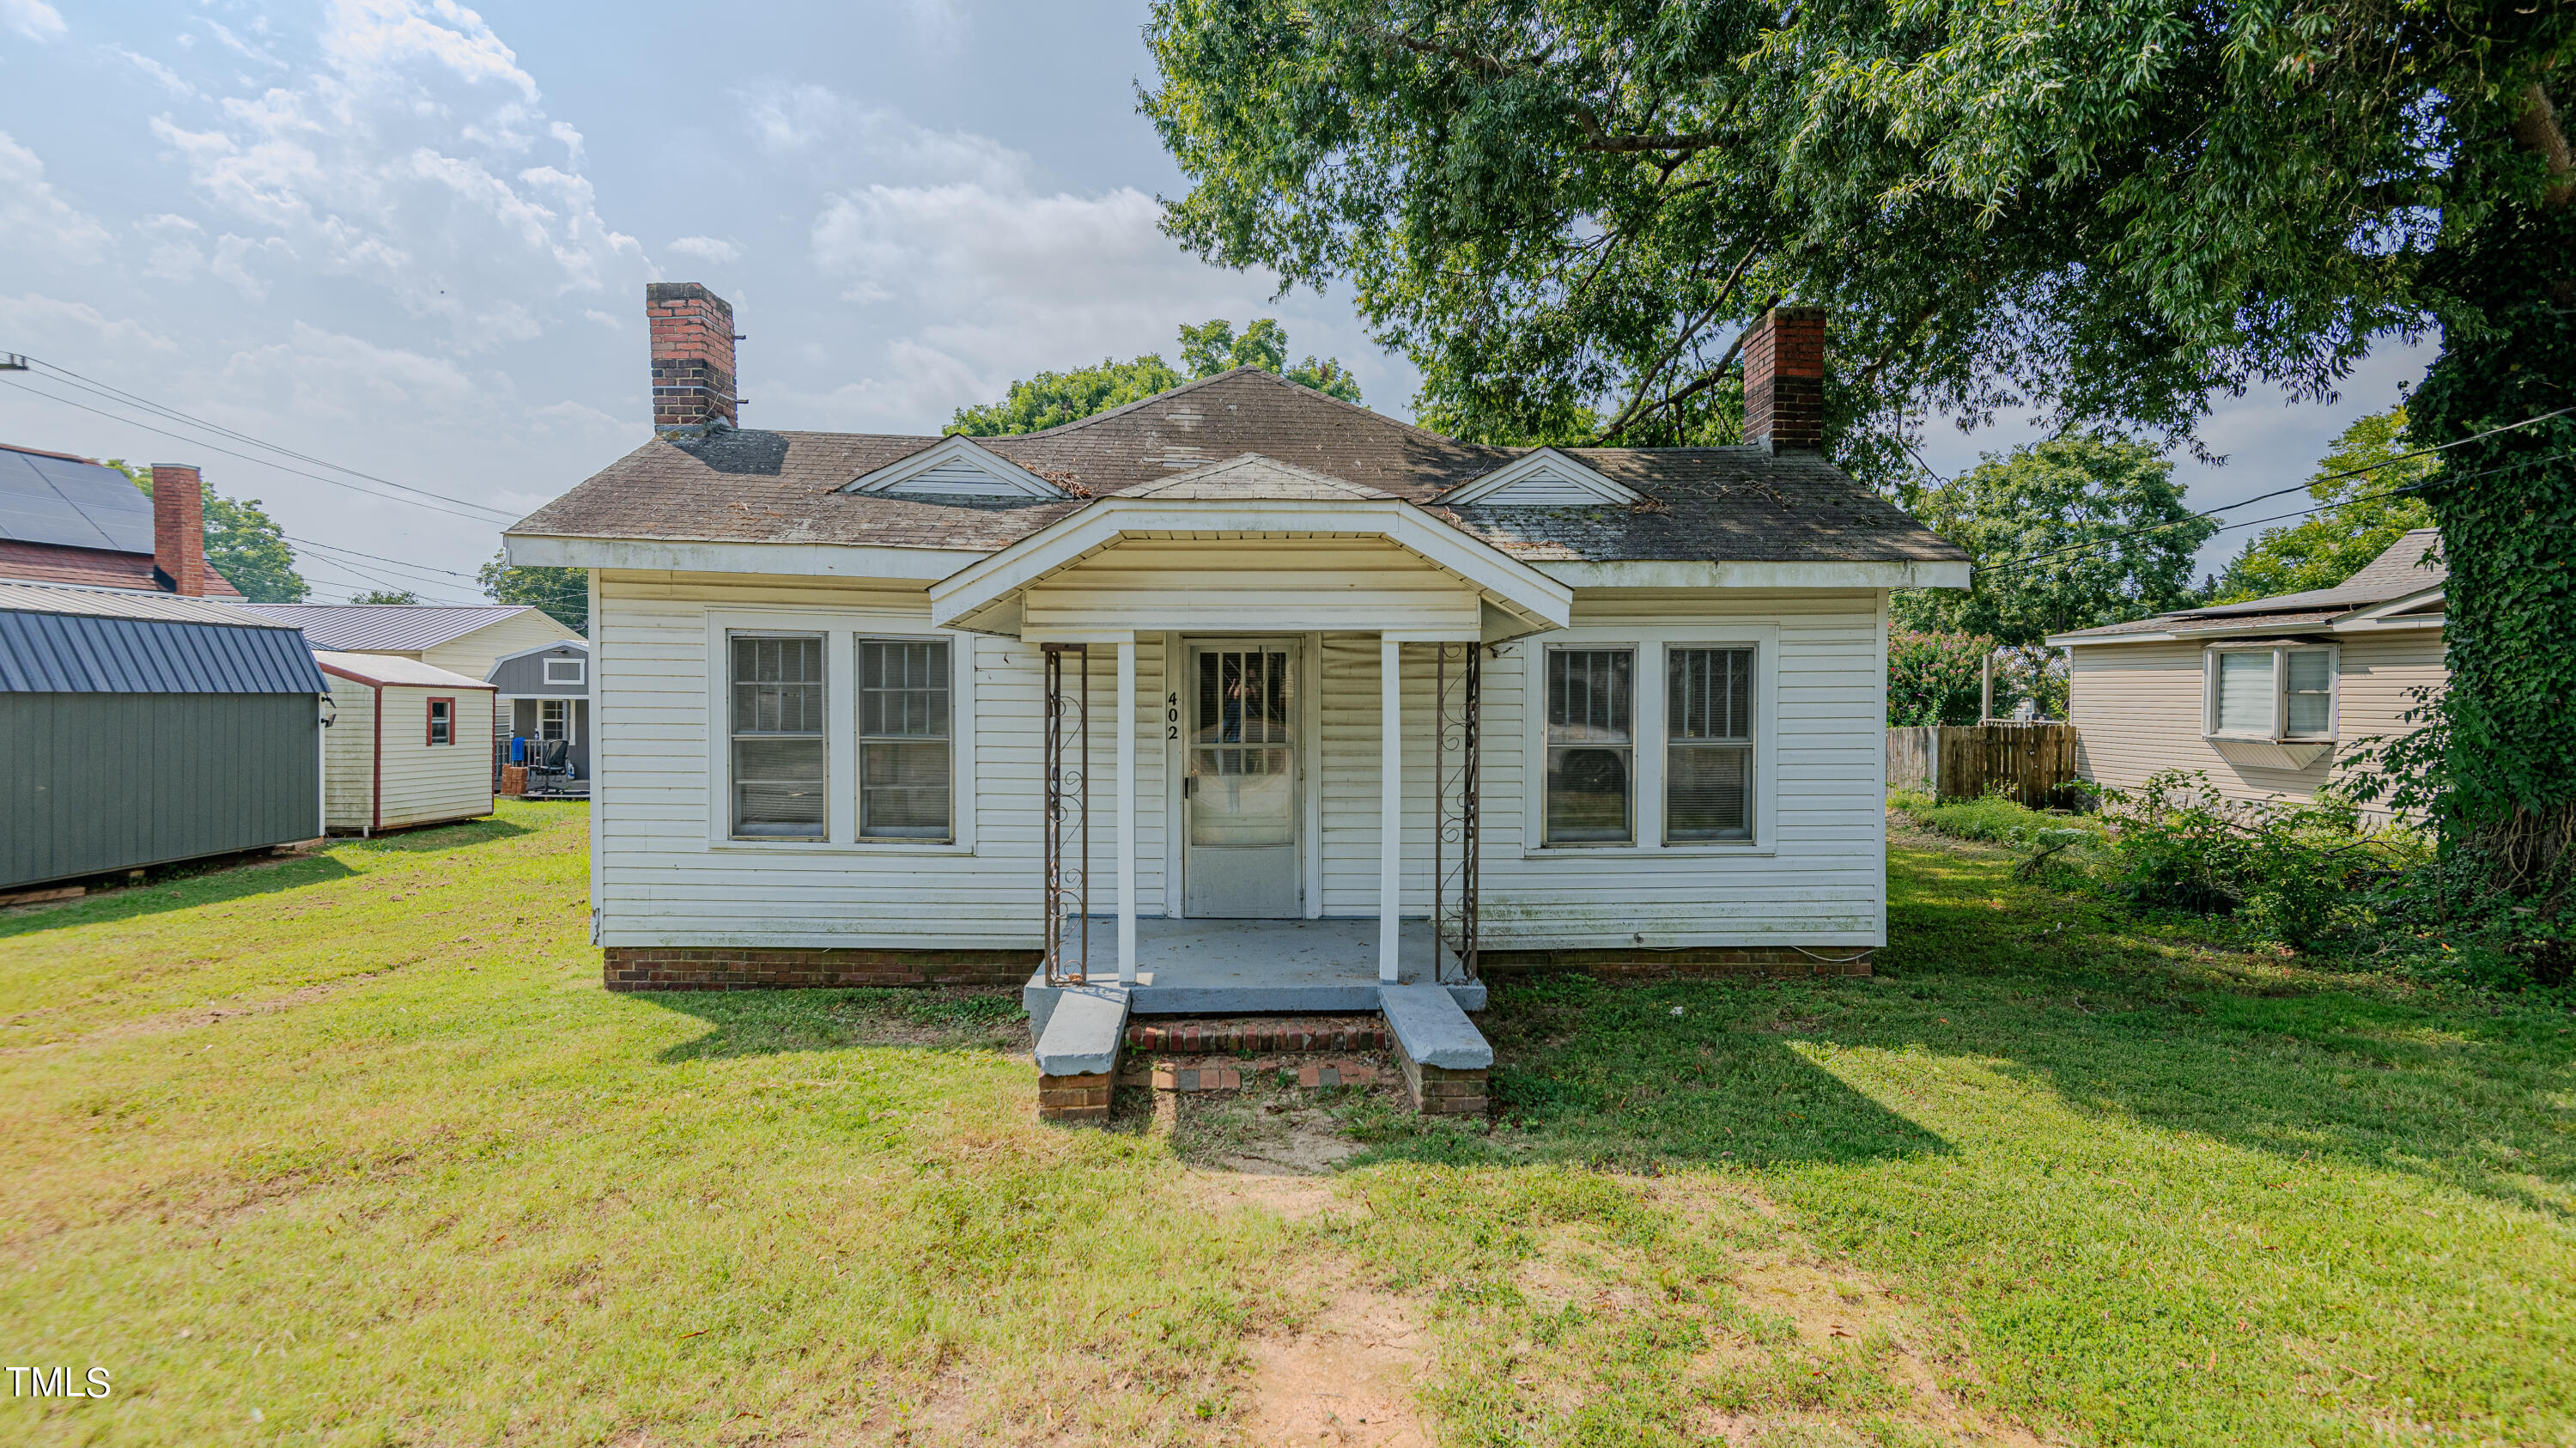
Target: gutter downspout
column 376, row 772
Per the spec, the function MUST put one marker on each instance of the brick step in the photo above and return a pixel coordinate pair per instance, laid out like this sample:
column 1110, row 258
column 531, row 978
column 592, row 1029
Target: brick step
column 1259, row 1033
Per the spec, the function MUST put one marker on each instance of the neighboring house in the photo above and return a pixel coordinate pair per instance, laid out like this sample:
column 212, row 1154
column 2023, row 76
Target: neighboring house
column 544, row 695
column 142, row 730
column 409, row 744
column 66, row 519
column 2270, row 696
column 463, row 639
column 873, row 708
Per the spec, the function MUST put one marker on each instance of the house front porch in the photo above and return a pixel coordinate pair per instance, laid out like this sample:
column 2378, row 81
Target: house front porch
column 1263, row 967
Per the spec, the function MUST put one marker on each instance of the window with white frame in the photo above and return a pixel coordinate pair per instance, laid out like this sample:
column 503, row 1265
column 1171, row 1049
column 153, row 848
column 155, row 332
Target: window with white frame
column 904, row 740
column 1591, row 744
column 777, row 743
column 2271, row 691
column 554, row 719
column 564, row 671
column 1708, row 745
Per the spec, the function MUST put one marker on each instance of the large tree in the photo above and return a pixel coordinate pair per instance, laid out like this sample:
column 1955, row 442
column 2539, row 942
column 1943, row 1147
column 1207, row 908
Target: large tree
column 563, row 593
column 2106, row 212
column 1051, row 399
column 2371, row 483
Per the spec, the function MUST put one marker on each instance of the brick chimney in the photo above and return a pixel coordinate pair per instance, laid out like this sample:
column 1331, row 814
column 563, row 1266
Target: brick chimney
column 1784, row 379
column 693, row 341
column 179, row 529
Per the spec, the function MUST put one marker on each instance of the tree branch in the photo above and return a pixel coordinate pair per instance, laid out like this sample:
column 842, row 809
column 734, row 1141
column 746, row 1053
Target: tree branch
column 1707, row 314
column 1709, row 378
column 2538, row 130
column 1596, row 136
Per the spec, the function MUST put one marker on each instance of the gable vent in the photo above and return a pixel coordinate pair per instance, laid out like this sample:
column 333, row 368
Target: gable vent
column 1546, row 478
column 960, row 479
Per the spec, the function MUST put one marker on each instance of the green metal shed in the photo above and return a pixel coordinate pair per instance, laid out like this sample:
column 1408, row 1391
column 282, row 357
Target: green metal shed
column 141, row 729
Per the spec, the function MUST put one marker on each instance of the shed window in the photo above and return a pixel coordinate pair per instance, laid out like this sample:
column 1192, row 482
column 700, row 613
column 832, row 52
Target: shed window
column 1590, row 746
column 904, row 740
column 565, row 671
column 442, row 721
column 777, row 736
column 554, row 719
column 1708, row 745
column 2281, row 692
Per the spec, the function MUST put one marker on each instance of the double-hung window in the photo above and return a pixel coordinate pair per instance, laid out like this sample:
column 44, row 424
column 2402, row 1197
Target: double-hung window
column 904, row 737
column 777, row 736
column 442, row 721
column 1708, row 745
column 1591, row 745
column 2274, row 692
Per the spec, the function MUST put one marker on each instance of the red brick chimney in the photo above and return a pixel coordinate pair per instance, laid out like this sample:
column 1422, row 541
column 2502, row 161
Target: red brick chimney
column 179, row 529
column 693, row 341
column 1784, row 379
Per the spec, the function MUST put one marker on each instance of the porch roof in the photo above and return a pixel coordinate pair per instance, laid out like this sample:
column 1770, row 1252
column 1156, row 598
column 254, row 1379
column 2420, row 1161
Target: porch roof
column 1282, row 547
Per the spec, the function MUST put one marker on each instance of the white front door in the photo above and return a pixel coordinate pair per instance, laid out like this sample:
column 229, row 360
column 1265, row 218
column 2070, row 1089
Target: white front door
column 1239, row 794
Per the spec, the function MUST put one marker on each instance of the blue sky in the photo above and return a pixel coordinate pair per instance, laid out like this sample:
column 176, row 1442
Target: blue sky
column 410, row 238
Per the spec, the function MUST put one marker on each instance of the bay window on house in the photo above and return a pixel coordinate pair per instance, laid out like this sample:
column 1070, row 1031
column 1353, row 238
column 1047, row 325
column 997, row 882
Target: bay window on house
column 777, row 753
column 2276, row 692
column 1591, row 744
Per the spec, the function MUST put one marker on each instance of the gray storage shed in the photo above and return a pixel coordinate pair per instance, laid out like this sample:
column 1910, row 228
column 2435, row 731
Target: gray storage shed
column 140, row 729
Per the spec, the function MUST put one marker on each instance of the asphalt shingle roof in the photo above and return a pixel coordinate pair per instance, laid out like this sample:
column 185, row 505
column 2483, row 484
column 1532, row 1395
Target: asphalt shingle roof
column 2399, row 570
column 1719, row 504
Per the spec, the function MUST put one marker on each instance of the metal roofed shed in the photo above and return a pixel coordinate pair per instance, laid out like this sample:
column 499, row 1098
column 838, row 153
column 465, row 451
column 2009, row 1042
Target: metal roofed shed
column 411, row 744
column 146, row 729
column 544, row 694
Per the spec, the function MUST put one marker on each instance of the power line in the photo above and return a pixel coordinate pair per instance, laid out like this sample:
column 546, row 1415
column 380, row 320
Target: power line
column 97, row 388
column 2019, row 564
column 2309, row 485
column 498, row 515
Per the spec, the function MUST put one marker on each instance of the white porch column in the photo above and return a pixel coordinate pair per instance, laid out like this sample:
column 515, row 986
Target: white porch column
column 1127, row 810
column 1390, row 826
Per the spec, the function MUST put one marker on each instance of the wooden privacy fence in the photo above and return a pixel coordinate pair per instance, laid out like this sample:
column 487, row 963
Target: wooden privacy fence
column 2031, row 763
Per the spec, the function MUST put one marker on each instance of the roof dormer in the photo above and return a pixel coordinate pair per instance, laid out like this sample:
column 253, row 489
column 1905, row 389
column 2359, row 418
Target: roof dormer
column 1544, row 479
column 954, row 468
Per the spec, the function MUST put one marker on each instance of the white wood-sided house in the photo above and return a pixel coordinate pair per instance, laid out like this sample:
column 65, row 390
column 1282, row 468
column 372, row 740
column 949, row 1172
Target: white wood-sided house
column 1237, row 685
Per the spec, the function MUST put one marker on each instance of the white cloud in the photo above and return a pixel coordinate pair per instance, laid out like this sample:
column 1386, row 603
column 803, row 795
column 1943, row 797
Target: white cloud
column 170, row 79
column 48, row 325
column 840, row 133
column 175, row 255
column 708, row 248
column 33, row 19
column 404, row 160
column 35, row 217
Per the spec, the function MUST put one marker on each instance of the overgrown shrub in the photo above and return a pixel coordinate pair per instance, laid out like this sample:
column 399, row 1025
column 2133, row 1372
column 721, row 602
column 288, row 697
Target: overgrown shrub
column 1934, row 678
column 2293, row 871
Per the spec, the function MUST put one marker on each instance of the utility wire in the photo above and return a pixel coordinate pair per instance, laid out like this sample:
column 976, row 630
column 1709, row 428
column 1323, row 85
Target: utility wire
column 2015, row 565
column 498, row 515
column 2309, row 485
column 97, row 388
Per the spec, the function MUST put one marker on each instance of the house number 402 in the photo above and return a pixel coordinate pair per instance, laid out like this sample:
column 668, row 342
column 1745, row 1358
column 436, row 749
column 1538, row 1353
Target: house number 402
column 1172, row 715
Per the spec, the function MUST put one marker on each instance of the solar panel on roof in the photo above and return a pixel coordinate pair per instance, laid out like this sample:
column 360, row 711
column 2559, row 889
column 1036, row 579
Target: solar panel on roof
column 71, row 504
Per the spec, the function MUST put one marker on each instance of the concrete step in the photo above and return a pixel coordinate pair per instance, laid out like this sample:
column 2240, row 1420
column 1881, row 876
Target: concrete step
column 1445, row 1058
column 1077, row 1053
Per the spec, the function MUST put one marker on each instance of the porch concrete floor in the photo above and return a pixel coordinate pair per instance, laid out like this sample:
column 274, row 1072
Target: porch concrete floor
column 1242, row 967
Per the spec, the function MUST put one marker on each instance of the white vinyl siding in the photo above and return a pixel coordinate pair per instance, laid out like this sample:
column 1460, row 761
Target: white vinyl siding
column 474, row 654
column 1814, row 874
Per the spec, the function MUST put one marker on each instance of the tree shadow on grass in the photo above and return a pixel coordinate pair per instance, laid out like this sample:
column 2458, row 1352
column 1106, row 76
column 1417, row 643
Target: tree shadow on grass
column 1611, row 1076
column 779, row 1022
column 181, row 891
column 2183, row 1025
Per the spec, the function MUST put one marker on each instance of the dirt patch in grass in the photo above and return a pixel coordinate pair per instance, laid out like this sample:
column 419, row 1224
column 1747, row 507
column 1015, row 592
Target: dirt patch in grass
column 1346, row 1376
column 1271, row 1129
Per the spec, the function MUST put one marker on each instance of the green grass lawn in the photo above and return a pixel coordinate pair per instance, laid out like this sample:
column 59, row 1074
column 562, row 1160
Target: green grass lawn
column 353, row 1149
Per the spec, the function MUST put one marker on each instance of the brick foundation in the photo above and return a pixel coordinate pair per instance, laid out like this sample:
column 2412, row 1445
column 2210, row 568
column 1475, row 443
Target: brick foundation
column 638, row 967
column 1075, row 1100
column 1439, row 1091
column 1255, row 1034
column 1698, row 962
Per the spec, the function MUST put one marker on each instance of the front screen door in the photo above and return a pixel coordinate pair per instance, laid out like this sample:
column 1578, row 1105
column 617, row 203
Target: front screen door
column 1240, row 796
